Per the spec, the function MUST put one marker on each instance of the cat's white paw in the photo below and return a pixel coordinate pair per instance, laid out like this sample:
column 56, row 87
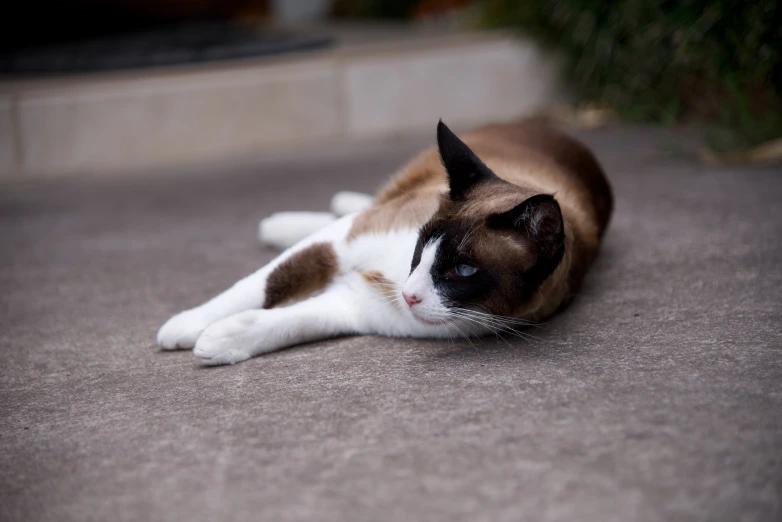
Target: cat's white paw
column 224, row 342
column 181, row 331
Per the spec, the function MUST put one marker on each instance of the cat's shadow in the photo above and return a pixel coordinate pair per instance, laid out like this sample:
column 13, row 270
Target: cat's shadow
column 547, row 340
column 504, row 346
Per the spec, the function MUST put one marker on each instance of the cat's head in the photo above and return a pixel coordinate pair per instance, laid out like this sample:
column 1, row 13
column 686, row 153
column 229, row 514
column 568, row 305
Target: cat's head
column 489, row 246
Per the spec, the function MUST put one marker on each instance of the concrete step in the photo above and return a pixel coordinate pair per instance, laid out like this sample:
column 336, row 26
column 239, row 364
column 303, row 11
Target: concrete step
column 374, row 82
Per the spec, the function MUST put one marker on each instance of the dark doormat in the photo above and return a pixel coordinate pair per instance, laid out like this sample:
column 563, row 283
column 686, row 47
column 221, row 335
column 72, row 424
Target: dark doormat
column 183, row 43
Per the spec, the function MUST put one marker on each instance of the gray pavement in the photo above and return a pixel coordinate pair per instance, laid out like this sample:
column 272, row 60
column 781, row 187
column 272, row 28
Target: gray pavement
column 657, row 395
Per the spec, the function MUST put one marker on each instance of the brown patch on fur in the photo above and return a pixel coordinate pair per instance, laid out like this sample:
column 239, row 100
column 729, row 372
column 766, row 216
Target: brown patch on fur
column 490, row 198
column 301, row 275
column 374, row 277
column 381, row 284
column 397, row 213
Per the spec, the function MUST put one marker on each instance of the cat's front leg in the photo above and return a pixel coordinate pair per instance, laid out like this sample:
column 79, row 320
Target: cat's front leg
column 253, row 332
column 182, row 330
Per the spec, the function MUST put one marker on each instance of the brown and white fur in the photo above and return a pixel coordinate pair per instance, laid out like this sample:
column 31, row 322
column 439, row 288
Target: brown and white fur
column 470, row 238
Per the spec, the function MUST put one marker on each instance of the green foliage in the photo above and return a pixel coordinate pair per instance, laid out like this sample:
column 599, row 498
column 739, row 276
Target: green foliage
column 718, row 61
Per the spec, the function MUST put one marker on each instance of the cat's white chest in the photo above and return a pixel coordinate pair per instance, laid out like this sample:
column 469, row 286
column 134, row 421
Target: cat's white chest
column 389, row 253
column 388, row 256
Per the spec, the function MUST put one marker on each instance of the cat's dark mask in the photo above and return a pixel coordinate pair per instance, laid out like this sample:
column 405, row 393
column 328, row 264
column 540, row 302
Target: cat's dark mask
column 497, row 243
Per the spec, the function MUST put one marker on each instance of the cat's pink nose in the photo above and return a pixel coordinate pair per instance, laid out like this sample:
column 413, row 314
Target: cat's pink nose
column 411, row 299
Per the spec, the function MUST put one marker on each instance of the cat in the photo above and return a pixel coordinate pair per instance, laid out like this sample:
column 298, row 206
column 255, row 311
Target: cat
column 473, row 237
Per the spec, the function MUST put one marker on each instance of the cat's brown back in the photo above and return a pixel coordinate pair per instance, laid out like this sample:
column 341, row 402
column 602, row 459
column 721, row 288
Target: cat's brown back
column 529, row 154
column 546, row 156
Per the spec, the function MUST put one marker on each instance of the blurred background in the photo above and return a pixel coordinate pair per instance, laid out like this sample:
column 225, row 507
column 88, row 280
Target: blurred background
column 124, row 84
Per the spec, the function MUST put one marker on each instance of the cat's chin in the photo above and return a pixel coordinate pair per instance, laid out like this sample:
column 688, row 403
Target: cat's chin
column 429, row 320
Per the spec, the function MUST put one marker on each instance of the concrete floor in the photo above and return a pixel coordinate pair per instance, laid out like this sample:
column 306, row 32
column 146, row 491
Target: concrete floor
column 656, row 396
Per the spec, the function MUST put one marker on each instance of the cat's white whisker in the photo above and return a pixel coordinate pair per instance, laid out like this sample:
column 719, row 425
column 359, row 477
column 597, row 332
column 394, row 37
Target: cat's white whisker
column 392, row 300
column 505, row 319
column 496, row 325
column 466, row 337
column 495, row 316
column 499, row 336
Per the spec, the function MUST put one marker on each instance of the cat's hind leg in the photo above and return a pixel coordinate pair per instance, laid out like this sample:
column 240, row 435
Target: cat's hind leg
column 284, row 229
column 246, row 334
column 347, row 202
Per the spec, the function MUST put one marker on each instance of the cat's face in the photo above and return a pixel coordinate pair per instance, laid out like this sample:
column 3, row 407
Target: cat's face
column 488, row 247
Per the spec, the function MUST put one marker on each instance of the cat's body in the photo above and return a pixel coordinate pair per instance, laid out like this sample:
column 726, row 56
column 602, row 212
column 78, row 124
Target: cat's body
column 451, row 246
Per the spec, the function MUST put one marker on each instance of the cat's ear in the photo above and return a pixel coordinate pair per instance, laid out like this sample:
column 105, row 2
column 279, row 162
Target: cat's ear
column 464, row 168
column 539, row 220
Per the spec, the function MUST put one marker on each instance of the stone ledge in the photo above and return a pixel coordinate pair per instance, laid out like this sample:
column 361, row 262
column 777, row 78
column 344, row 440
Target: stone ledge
column 121, row 121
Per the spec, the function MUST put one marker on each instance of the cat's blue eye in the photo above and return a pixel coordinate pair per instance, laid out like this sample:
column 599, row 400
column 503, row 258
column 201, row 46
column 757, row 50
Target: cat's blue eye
column 465, row 270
